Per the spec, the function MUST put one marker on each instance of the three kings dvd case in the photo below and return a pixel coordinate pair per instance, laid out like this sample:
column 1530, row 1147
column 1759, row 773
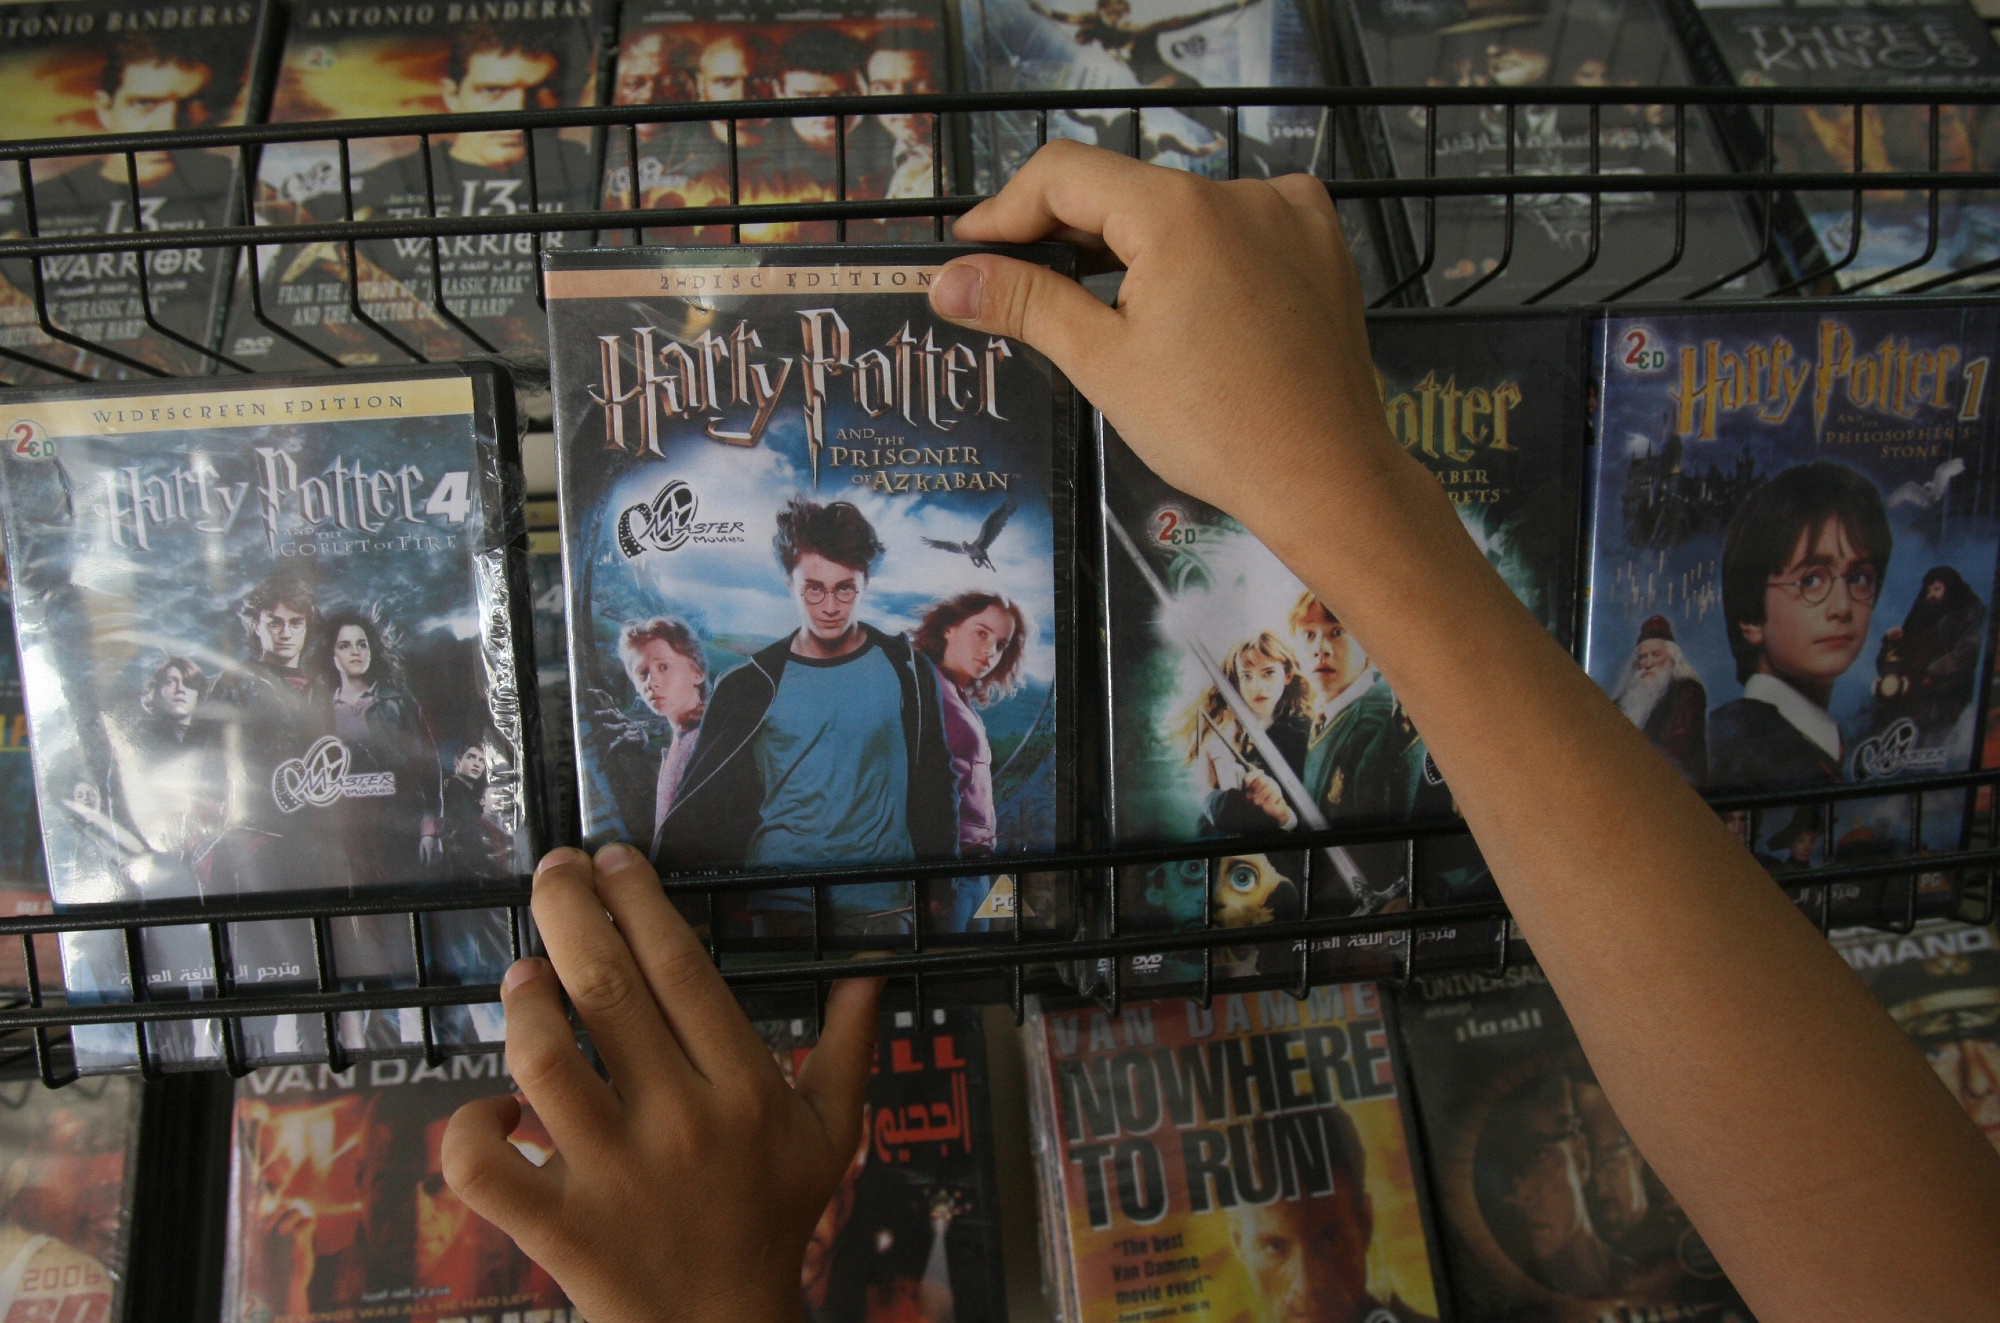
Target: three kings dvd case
column 818, row 551
column 1548, row 1211
column 93, row 67
column 1239, row 705
column 273, row 641
column 1793, row 553
column 334, row 303
column 1251, row 1158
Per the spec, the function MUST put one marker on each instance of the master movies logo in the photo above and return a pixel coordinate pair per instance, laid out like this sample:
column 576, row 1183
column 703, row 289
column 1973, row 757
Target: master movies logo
column 1895, row 751
column 321, row 777
column 663, row 524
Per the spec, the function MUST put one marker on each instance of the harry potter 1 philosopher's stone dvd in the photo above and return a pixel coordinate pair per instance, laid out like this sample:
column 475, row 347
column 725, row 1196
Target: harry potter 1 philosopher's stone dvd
column 272, row 640
column 817, row 545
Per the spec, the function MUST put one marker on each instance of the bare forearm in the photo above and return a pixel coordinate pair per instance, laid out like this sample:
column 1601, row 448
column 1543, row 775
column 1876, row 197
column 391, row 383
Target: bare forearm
column 1760, row 1078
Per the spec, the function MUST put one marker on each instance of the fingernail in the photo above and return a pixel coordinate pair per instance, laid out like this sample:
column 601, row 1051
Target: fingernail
column 518, row 973
column 615, row 856
column 562, row 854
column 956, row 291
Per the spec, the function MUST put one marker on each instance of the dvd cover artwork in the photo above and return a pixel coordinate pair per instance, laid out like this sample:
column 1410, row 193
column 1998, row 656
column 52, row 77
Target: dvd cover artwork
column 66, row 1234
column 1581, row 247
column 551, row 622
column 24, row 877
column 913, row 1231
column 1249, row 1159
column 681, row 51
column 1794, row 547
column 818, row 561
column 83, row 67
column 338, row 1206
column 318, row 304
column 1032, row 46
column 1941, row 983
column 1239, row 707
column 1548, row 1212
column 269, row 635
column 1934, row 44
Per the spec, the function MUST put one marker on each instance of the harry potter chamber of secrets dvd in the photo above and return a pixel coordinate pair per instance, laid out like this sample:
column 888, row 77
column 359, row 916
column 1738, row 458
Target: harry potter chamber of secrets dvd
column 817, row 548
column 272, row 640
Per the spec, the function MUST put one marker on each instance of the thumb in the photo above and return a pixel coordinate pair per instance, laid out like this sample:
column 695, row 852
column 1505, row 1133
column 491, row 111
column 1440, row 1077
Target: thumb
column 1030, row 303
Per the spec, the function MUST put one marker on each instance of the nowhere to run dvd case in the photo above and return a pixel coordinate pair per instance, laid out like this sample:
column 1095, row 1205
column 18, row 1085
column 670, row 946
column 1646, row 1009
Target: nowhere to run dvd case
column 272, row 640
column 1254, row 1158
column 1548, row 1212
column 818, row 546
column 339, row 1208
column 453, row 57
column 1797, row 512
column 1240, row 707
column 99, row 66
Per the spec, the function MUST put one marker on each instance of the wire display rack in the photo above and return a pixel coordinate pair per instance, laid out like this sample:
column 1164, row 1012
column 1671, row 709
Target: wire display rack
column 1014, row 961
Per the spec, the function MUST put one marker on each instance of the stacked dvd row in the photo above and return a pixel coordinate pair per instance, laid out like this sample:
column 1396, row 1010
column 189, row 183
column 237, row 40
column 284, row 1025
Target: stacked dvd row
column 1443, row 1152
column 84, row 67
column 862, row 627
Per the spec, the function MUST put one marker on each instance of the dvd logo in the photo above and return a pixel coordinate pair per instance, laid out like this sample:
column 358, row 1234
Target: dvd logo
column 321, row 777
column 663, row 525
column 1895, row 750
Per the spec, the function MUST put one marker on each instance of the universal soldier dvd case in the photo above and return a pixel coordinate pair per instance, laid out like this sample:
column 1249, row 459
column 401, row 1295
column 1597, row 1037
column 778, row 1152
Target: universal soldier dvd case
column 273, row 638
column 819, row 571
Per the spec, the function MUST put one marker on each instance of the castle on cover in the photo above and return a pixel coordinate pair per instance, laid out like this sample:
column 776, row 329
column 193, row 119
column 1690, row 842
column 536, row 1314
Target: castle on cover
column 675, row 52
column 813, row 541
column 1794, row 540
column 453, row 57
column 97, row 66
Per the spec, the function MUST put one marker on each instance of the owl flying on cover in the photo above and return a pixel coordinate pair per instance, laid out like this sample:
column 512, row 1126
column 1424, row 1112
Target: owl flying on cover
column 988, row 531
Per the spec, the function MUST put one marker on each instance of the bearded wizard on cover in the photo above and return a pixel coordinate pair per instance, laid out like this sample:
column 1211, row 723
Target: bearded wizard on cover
column 814, row 541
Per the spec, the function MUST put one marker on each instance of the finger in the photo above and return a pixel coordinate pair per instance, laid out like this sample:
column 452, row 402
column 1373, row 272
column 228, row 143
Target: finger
column 1030, row 303
column 579, row 1108
column 701, row 1013
column 595, row 964
column 493, row 1177
column 834, row 1079
column 1070, row 191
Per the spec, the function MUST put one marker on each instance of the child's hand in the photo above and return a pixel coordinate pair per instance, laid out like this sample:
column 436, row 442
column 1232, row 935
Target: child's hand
column 1236, row 364
column 687, row 1186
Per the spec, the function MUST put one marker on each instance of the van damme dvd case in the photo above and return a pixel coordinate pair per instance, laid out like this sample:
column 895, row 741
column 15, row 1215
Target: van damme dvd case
column 818, row 553
column 272, row 641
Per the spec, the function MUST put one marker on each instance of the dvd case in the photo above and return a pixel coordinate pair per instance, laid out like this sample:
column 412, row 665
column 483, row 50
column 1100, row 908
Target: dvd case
column 1500, row 249
column 1548, row 1211
column 1240, row 708
column 819, row 571
column 338, row 1206
column 271, row 634
column 1941, row 983
column 77, row 67
column 1254, row 1158
column 1932, row 44
column 71, row 1157
column 24, row 877
column 334, row 303
column 913, row 1231
column 681, row 51
column 551, row 622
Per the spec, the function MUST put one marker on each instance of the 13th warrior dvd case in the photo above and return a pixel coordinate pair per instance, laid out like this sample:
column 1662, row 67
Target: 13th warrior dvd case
column 818, row 555
column 273, row 641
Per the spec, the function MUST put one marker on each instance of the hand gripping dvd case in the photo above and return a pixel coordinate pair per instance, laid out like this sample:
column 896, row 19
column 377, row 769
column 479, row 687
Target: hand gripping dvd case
column 338, row 1206
column 1793, row 554
column 1553, row 43
column 913, row 1231
column 376, row 302
column 1941, row 983
column 79, row 67
column 818, row 546
column 1239, row 707
column 272, row 637
column 680, row 51
column 70, row 1156
column 1252, row 1158
column 1548, row 1212
column 1935, row 44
